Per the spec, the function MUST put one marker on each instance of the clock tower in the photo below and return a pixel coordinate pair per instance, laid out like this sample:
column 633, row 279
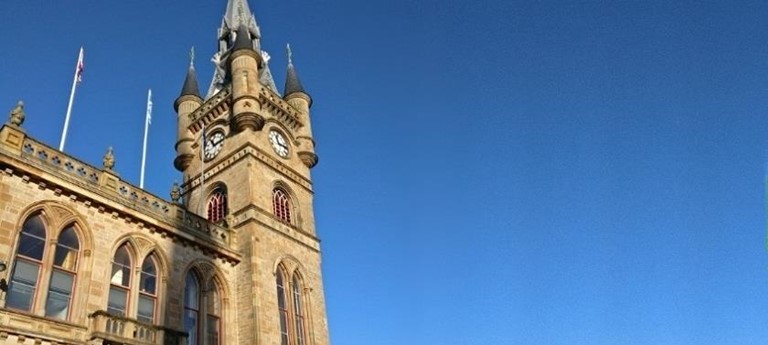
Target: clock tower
column 246, row 153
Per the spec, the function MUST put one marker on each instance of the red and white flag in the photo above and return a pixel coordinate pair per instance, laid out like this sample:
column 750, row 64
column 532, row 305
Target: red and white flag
column 80, row 66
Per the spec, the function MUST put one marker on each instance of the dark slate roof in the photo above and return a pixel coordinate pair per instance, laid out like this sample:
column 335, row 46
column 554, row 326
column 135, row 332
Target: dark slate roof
column 292, row 82
column 243, row 39
column 190, row 84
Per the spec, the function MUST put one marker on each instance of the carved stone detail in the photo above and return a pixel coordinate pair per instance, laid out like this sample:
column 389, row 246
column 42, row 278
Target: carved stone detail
column 308, row 158
column 109, row 159
column 60, row 213
column 17, row 115
column 175, row 192
column 250, row 120
column 143, row 244
column 182, row 162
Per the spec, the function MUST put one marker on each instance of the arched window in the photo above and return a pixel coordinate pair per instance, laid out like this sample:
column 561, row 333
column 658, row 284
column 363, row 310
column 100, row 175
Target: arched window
column 282, row 307
column 32, row 259
column 291, row 309
column 192, row 308
column 202, row 311
column 281, row 205
column 130, row 298
column 298, row 311
column 63, row 275
column 147, row 291
column 27, row 267
column 213, row 319
column 120, row 282
column 217, row 205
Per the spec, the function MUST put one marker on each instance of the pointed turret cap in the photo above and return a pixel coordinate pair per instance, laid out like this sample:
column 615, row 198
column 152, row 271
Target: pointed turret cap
column 190, row 87
column 243, row 39
column 292, row 82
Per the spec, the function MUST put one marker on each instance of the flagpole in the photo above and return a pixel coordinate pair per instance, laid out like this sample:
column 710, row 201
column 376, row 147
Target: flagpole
column 202, row 172
column 147, row 121
column 71, row 99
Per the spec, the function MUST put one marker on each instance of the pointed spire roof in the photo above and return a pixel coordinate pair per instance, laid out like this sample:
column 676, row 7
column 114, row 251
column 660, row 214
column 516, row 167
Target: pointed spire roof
column 292, row 82
column 190, row 82
column 238, row 14
column 242, row 39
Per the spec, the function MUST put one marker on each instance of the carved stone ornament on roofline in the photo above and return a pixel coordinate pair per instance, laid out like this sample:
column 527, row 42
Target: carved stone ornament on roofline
column 16, row 116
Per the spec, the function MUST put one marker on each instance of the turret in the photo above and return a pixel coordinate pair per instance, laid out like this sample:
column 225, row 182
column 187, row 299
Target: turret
column 301, row 101
column 244, row 64
column 189, row 100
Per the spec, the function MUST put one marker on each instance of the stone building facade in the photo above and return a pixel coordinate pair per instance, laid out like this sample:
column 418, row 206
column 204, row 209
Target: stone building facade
column 232, row 258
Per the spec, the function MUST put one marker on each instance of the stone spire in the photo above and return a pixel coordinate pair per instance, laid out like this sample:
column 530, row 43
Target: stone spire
column 236, row 15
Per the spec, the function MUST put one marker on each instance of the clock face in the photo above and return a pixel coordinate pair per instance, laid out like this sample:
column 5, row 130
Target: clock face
column 213, row 145
column 279, row 144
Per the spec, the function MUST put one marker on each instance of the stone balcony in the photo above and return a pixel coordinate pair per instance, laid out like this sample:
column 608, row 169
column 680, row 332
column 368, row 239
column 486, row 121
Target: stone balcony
column 109, row 329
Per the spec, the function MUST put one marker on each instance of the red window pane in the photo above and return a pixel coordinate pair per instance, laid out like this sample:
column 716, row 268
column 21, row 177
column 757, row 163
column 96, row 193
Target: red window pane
column 217, row 206
column 281, row 205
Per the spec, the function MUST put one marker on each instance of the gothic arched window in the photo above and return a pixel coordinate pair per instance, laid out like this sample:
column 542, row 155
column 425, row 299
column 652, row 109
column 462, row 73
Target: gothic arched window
column 192, row 308
column 147, row 291
column 281, row 205
column 32, row 259
column 217, row 205
column 282, row 307
column 120, row 282
column 63, row 275
column 202, row 311
column 292, row 313
column 213, row 319
column 27, row 267
column 128, row 298
column 298, row 310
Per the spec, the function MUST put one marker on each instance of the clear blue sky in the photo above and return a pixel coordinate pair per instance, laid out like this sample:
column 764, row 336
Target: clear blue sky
column 494, row 172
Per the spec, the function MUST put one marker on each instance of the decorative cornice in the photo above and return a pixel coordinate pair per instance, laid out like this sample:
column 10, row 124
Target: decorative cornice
column 210, row 110
column 278, row 107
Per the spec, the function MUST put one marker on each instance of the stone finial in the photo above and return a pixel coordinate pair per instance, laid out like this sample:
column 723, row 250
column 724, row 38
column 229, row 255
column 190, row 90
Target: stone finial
column 16, row 116
column 175, row 192
column 109, row 159
column 289, row 53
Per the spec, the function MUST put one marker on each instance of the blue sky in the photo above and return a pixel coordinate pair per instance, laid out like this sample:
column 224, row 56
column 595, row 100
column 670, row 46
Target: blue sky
column 495, row 172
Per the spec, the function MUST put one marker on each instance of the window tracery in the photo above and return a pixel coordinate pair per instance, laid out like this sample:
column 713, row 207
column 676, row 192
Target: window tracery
column 281, row 205
column 217, row 205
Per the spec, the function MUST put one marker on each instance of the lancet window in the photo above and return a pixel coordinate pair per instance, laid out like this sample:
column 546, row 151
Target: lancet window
column 217, row 205
column 281, row 205
column 202, row 311
column 291, row 309
column 123, row 289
